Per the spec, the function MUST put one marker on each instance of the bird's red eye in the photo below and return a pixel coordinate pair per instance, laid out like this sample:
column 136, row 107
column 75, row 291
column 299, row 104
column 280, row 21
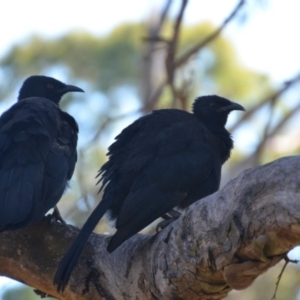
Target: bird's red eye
column 50, row 86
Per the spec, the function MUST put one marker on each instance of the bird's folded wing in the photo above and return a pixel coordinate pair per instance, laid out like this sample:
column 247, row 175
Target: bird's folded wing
column 180, row 162
column 23, row 149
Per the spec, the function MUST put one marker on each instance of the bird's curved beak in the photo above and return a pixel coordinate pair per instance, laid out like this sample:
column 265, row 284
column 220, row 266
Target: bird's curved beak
column 70, row 88
column 233, row 106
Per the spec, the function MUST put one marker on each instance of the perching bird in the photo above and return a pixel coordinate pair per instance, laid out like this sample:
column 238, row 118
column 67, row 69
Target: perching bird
column 37, row 152
column 169, row 158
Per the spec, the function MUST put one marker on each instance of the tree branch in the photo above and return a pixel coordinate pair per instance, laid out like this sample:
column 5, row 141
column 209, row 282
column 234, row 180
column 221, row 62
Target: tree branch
column 270, row 99
column 201, row 44
column 220, row 243
column 172, row 49
column 172, row 63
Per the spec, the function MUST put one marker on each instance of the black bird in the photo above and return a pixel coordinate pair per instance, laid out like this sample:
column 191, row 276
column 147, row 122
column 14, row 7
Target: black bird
column 169, row 158
column 37, row 152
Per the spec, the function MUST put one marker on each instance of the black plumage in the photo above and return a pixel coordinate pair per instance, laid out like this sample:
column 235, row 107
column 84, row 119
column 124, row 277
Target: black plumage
column 169, row 158
column 37, row 152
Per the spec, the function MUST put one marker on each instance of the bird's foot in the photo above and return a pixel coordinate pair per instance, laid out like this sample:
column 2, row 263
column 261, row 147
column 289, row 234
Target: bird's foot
column 172, row 214
column 169, row 217
column 56, row 216
column 42, row 294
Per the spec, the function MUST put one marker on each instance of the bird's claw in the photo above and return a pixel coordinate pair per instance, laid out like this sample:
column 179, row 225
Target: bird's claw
column 56, row 217
column 169, row 217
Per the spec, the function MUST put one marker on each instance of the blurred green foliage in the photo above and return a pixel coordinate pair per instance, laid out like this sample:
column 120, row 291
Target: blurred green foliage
column 102, row 62
column 109, row 62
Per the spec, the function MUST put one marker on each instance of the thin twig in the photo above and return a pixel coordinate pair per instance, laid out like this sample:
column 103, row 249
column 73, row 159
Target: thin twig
column 287, row 260
column 164, row 14
column 256, row 155
column 287, row 84
column 173, row 46
column 105, row 123
column 183, row 59
column 156, row 39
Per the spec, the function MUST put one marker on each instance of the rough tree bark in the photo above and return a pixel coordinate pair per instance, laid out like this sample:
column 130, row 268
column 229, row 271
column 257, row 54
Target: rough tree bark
column 220, row 243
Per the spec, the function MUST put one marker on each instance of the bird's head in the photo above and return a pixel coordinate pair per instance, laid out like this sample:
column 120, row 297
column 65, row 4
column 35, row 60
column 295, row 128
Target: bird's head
column 214, row 110
column 46, row 87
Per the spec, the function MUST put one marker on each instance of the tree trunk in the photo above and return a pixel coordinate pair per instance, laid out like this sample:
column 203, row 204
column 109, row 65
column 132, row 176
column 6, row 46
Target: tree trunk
column 220, row 243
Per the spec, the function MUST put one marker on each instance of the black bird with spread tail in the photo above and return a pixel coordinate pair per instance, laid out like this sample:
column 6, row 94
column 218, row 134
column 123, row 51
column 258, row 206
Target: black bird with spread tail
column 37, row 152
column 169, row 158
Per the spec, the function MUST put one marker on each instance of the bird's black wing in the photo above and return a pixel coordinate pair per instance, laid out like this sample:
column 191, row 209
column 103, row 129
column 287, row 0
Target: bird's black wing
column 135, row 147
column 24, row 144
column 68, row 135
column 34, row 164
column 182, row 158
column 61, row 158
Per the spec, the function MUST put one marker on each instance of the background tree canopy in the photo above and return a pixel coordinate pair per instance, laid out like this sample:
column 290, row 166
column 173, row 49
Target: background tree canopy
column 130, row 72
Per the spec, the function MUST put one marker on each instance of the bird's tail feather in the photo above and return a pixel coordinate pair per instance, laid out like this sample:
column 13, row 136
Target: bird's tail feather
column 71, row 256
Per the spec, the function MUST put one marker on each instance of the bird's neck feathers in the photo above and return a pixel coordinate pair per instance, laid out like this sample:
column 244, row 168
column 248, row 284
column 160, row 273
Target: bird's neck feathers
column 215, row 123
column 24, row 96
column 223, row 140
column 225, row 144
